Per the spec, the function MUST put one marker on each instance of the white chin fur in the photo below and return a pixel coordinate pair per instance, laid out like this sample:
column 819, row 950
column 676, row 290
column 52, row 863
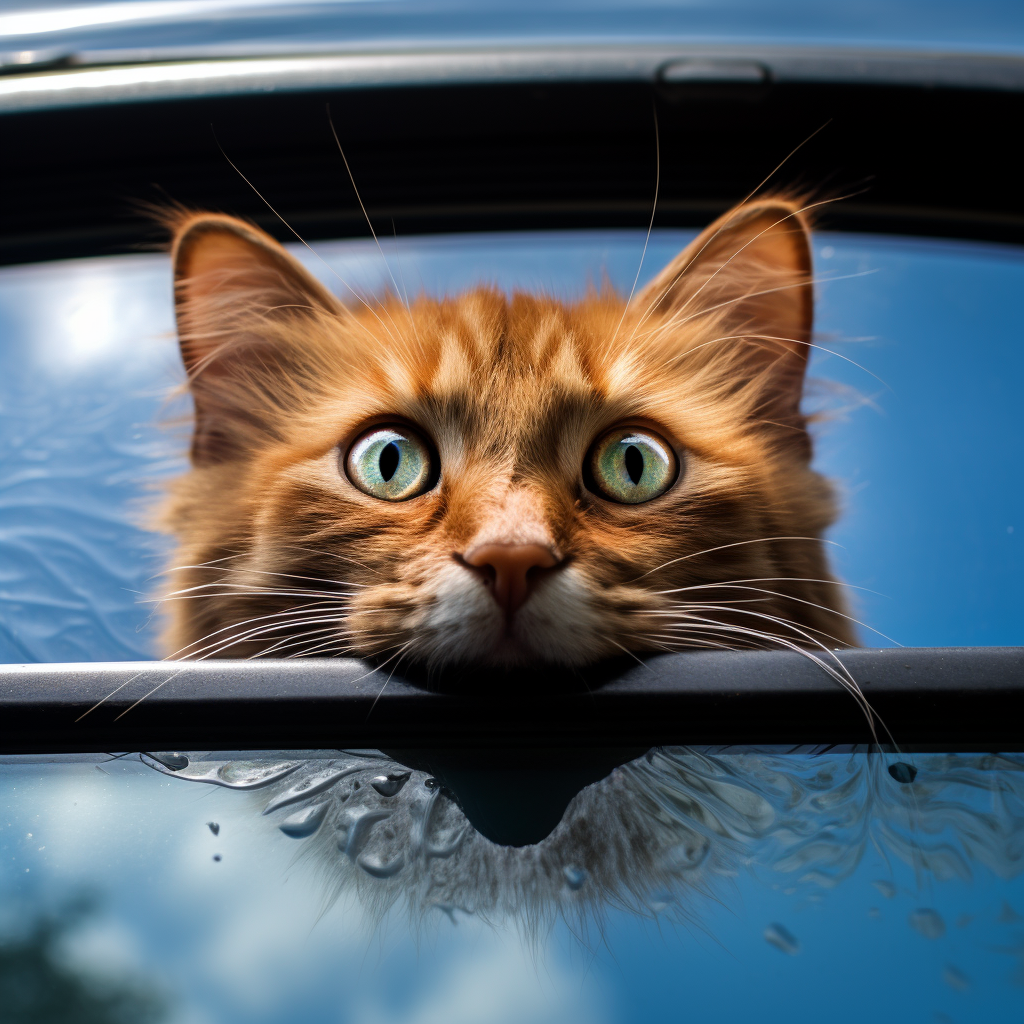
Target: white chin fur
column 464, row 624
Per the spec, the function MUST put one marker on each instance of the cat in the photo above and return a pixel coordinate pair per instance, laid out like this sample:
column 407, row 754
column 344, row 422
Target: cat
column 499, row 481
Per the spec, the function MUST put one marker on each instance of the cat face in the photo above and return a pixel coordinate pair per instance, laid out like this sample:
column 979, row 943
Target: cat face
column 499, row 481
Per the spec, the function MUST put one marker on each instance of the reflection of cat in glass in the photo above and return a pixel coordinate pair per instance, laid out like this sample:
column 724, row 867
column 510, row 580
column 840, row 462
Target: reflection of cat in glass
column 499, row 480
column 658, row 836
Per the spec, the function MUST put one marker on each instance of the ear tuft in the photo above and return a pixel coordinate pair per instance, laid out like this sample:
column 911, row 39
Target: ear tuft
column 223, row 267
column 750, row 274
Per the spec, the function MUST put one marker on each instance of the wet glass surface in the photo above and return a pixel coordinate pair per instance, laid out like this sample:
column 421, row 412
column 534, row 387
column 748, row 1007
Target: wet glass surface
column 923, row 438
column 344, row 886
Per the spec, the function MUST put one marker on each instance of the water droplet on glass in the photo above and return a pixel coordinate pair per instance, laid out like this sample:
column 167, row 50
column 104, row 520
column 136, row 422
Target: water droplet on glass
column 378, row 869
column 687, row 855
column 574, row 876
column 354, row 829
column 955, row 978
column 214, row 827
column 245, row 774
column 310, row 785
column 927, row 922
column 903, row 772
column 886, row 888
column 782, row 939
column 390, row 785
column 171, row 760
column 305, row 822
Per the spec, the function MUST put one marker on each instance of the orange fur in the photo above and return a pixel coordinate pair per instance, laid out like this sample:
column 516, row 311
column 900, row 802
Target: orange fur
column 278, row 553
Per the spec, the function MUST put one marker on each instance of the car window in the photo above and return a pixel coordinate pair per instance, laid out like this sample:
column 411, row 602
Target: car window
column 915, row 374
column 726, row 885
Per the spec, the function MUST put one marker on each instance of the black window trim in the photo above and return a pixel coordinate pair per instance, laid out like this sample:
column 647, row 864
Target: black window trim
column 926, row 698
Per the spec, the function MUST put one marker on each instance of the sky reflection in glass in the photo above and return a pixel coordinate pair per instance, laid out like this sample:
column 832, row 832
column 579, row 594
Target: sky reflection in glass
column 792, row 913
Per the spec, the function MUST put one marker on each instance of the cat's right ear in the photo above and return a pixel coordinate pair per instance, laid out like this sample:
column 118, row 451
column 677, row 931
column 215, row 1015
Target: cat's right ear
column 750, row 275
column 232, row 285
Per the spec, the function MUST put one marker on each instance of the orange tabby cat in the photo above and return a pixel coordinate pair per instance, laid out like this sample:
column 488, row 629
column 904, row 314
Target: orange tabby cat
column 497, row 480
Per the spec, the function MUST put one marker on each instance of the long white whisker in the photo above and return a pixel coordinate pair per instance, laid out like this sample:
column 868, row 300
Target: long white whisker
column 359, row 198
column 401, row 650
column 841, row 673
column 686, row 608
column 787, row 597
column 792, row 341
column 650, row 226
column 249, row 634
column 359, row 297
column 268, row 572
column 734, row 544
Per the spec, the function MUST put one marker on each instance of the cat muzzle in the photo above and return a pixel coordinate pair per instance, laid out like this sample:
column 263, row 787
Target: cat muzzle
column 510, row 571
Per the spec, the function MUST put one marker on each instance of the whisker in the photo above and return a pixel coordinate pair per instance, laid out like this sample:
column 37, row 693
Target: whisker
column 397, row 654
column 359, row 297
column 359, row 198
column 788, row 597
column 650, row 226
column 722, row 547
column 686, row 608
column 840, row 673
column 230, row 641
column 791, row 341
column 269, row 572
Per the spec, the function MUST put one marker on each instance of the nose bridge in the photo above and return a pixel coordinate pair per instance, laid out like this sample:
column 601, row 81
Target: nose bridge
column 519, row 516
column 513, row 549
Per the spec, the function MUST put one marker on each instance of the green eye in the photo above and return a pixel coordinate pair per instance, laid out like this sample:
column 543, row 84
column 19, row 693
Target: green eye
column 631, row 466
column 392, row 463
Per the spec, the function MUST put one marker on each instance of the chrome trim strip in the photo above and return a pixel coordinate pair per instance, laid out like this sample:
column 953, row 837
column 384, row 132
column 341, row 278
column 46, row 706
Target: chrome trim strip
column 187, row 79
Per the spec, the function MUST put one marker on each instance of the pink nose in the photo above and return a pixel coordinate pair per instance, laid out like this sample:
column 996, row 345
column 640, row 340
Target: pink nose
column 510, row 571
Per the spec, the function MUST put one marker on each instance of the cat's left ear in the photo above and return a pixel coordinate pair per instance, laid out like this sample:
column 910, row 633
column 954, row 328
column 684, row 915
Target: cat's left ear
column 234, row 287
column 222, row 263
column 750, row 274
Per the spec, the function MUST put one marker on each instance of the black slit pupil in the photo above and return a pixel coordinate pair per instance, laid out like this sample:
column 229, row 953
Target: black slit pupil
column 388, row 461
column 634, row 463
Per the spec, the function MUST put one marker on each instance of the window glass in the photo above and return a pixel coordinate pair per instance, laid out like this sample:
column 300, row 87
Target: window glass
column 917, row 372
column 722, row 886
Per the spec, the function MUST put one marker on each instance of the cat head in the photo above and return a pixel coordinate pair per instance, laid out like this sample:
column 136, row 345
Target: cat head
column 499, row 480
